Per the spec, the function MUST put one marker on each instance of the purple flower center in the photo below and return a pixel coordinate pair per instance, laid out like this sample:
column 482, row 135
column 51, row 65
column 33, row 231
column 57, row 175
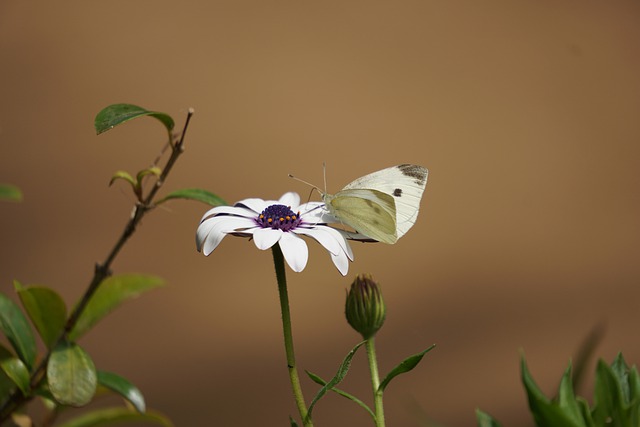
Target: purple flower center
column 279, row 217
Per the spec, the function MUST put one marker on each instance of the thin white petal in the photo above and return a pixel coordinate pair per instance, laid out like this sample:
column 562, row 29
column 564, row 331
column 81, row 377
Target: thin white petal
column 229, row 210
column 315, row 213
column 255, row 204
column 211, row 232
column 341, row 262
column 290, row 199
column 340, row 237
column 295, row 251
column 325, row 238
column 264, row 238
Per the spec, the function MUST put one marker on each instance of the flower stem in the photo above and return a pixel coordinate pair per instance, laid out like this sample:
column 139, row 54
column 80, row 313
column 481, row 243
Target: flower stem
column 278, row 260
column 375, row 381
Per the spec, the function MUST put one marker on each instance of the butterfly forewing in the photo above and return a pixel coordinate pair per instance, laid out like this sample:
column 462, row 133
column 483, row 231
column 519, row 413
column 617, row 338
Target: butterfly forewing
column 405, row 183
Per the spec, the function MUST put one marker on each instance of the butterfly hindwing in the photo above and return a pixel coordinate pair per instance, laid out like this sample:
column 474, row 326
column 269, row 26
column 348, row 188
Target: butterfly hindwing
column 370, row 212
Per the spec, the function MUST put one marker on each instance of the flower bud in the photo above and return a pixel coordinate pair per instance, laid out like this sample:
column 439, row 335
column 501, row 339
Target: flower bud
column 365, row 308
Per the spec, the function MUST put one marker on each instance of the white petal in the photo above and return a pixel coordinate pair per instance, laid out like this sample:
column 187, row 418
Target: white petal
column 341, row 262
column 230, row 210
column 211, row 232
column 340, row 237
column 315, row 212
column 295, row 251
column 290, row 199
column 325, row 238
column 255, row 204
column 264, row 238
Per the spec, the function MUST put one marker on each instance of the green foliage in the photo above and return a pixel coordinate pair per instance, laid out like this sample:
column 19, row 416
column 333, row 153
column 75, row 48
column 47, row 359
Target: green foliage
column 338, row 377
column 14, row 370
column 118, row 416
column 124, row 388
column 315, row 378
column 112, row 292
column 616, row 399
column 195, row 194
column 71, row 375
column 46, row 309
column 405, row 366
column 117, row 114
column 10, row 192
column 16, row 328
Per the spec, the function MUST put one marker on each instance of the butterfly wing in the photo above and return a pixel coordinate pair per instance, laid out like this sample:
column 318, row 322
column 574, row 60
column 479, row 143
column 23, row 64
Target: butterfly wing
column 369, row 212
column 405, row 183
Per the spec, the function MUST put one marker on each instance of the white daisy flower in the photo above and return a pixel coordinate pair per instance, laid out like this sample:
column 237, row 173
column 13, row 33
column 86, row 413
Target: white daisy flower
column 269, row 222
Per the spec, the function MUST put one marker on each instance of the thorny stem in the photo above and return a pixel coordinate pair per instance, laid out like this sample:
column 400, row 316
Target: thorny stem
column 101, row 272
column 278, row 260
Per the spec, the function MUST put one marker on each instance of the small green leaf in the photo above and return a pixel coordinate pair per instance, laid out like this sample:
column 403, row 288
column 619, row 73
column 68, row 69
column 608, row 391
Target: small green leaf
column 339, row 376
column 485, row 420
column 46, row 309
column 123, row 175
column 196, row 194
column 124, row 388
column 116, row 114
column 293, row 422
column 405, row 366
column 16, row 328
column 545, row 412
column 609, row 395
column 112, row 292
column 71, row 375
column 10, row 192
column 154, row 170
column 342, row 393
column 111, row 416
column 14, row 369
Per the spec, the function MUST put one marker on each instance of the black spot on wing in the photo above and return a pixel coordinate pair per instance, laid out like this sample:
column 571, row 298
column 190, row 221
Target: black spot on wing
column 397, row 192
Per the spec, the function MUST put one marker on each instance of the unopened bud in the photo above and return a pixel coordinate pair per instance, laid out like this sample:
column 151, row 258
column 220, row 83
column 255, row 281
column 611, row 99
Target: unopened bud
column 365, row 308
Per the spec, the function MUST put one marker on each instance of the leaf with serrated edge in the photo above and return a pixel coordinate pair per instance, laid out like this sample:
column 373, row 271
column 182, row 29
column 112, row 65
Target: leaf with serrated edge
column 405, row 366
column 123, row 387
column 112, row 292
column 117, row 114
column 46, row 309
column 111, row 416
column 71, row 375
column 196, row 194
column 15, row 327
column 339, row 376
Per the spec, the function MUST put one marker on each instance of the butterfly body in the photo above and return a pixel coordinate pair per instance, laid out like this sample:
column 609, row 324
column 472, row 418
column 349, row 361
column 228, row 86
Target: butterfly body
column 382, row 205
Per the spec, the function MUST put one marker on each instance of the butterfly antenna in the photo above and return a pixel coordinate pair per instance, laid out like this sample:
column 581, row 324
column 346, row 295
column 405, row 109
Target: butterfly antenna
column 324, row 175
column 313, row 187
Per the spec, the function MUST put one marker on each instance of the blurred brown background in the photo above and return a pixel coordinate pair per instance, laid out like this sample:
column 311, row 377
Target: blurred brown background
column 526, row 114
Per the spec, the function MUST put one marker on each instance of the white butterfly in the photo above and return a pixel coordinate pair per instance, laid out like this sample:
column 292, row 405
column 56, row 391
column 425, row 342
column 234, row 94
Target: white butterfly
column 382, row 205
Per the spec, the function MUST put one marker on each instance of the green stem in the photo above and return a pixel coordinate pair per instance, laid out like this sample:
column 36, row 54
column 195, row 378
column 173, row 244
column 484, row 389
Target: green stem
column 375, row 381
column 278, row 260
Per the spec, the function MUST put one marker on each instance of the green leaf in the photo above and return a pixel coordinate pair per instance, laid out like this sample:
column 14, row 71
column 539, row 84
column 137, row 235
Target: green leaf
column 15, row 370
column 116, row 114
column 405, row 366
column 609, row 397
column 16, row 328
column 112, row 292
column 124, row 388
column 339, row 376
column 154, row 170
column 315, row 378
column 545, row 412
column 71, row 375
column 196, row 194
column 293, row 422
column 123, row 175
column 7, row 386
column 46, row 309
column 10, row 192
column 485, row 420
column 111, row 416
